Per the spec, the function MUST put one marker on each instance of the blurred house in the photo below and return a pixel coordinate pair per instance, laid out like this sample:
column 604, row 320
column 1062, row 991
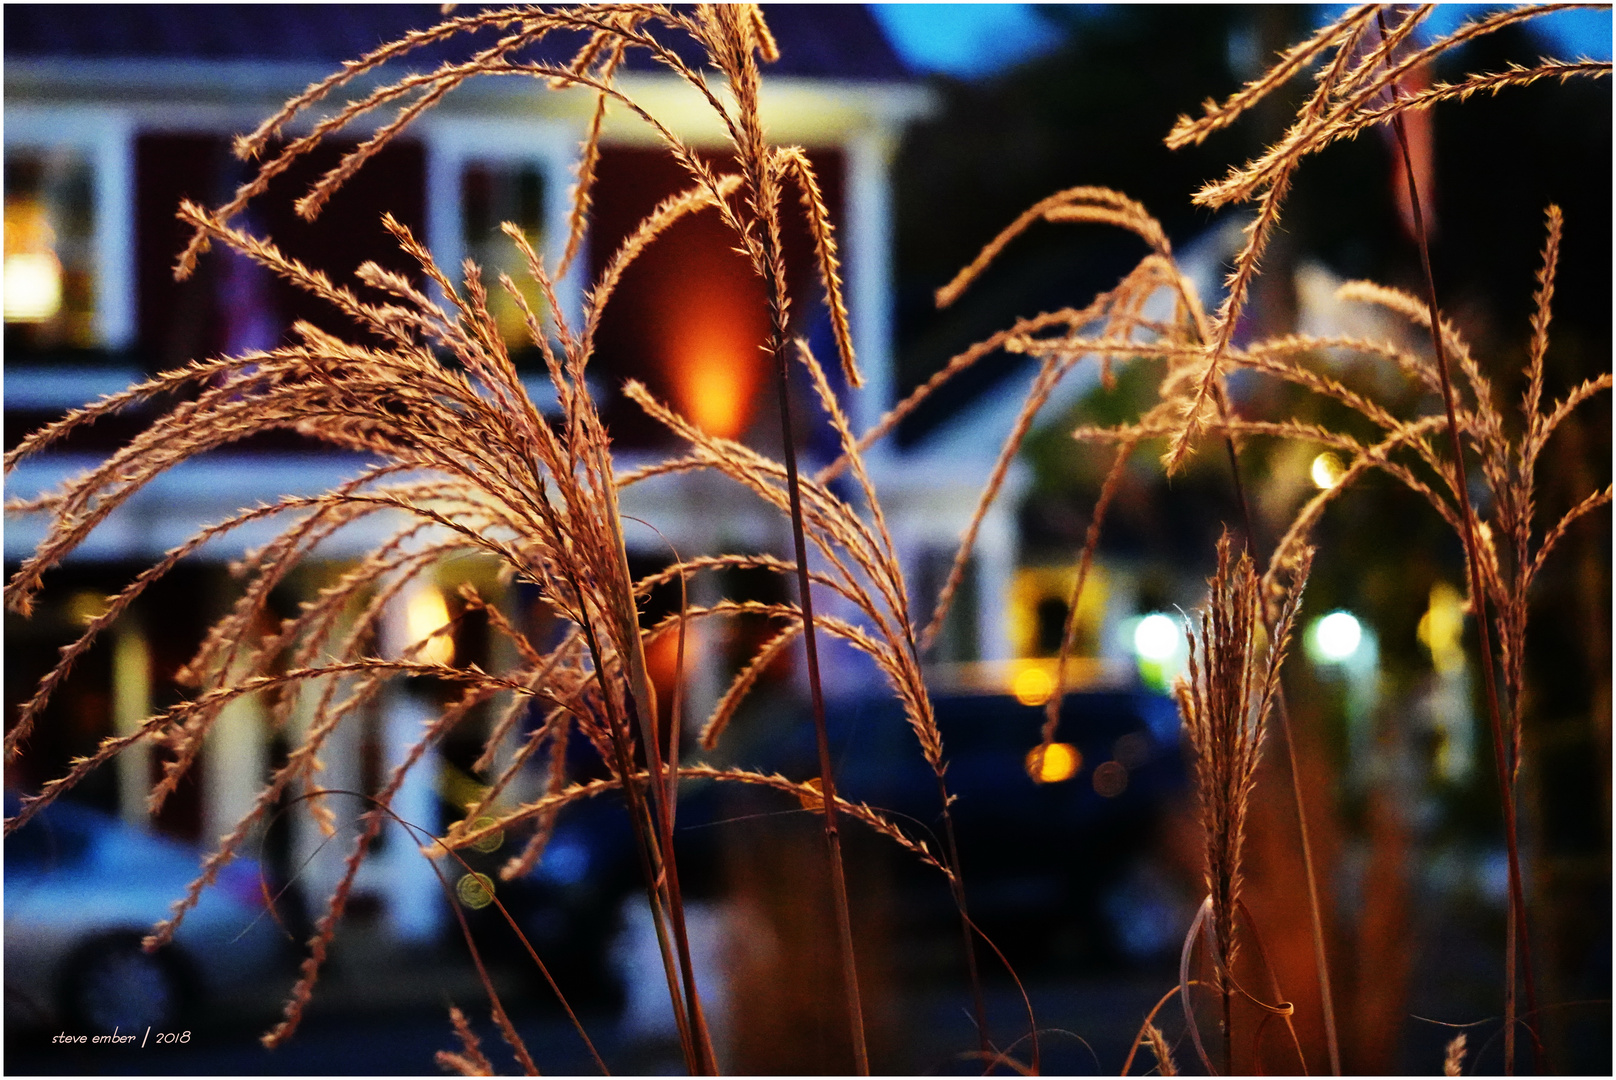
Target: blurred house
column 115, row 113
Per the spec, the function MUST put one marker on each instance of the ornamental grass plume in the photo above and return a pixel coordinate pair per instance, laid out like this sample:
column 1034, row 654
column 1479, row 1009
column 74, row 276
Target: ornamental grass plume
column 1165, row 1066
column 463, row 463
column 1356, row 89
column 1234, row 659
column 1359, row 62
column 1453, row 1057
column 1361, row 87
column 1356, row 63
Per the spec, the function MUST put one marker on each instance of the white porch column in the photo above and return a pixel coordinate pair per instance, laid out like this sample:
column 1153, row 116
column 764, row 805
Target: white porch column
column 321, row 858
column 415, row 901
column 131, row 705
column 114, row 157
column 868, row 236
column 444, row 163
column 318, row 859
column 995, row 570
column 401, row 873
column 235, row 765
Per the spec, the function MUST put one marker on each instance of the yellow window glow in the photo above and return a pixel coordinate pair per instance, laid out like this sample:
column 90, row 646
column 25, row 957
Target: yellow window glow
column 427, row 612
column 33, row 287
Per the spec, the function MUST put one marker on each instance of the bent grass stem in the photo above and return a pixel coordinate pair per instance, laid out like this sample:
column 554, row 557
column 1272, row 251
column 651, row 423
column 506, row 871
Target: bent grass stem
column 1478, row 593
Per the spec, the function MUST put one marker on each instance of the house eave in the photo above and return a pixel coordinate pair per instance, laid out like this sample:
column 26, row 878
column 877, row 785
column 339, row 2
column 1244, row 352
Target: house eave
column 238, row 92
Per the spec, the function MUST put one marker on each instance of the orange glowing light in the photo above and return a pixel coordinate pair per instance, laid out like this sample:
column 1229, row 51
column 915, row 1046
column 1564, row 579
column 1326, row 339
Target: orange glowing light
column 33, row 274
column 717, row 393
column 1059, row 762
column 662, row 665
column 714, row 332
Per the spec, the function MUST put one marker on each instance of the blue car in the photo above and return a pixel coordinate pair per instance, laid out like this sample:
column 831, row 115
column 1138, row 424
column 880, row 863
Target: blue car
column 1042, row 861
column 82, row 889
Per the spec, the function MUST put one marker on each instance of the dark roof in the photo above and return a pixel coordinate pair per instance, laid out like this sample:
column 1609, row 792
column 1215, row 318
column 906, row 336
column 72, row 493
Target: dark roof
column 816, row 40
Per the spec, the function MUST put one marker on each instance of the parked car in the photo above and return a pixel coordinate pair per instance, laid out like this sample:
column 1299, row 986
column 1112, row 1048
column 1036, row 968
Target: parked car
column 1051, row 869
column 82, row 889
column 1044, row 863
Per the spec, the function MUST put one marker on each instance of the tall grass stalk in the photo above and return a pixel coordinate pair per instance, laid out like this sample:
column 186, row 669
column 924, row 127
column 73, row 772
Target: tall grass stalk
column 1517, row 930
column 1321, row 960
column 1224, row 700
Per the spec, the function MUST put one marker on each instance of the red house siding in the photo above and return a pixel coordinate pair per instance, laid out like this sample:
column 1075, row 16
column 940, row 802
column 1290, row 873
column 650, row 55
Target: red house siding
column 181, row 321
column 689, row 319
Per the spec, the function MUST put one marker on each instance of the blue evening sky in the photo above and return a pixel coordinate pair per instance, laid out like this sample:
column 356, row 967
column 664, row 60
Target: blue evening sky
column 972, row 41
column 965, row 40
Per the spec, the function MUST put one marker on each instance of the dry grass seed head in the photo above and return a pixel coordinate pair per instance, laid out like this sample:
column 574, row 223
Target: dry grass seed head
column 1345, row 101
column 1165, row 1066
column 470, row 1061
column 1224, row 701
column 1453, row 1058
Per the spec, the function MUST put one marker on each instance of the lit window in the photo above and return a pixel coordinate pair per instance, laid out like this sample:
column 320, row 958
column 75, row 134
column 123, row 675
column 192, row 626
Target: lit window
column 426, row 614
column 493, row 193
column 49, row 249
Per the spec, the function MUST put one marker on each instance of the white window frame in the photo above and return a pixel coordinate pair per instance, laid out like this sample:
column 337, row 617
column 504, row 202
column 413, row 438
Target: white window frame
column 453, row 142
column 106, row 140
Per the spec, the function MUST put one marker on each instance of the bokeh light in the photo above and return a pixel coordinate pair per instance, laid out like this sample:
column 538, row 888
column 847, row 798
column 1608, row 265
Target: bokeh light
column 425, row 613
column 476, row 891
column 1326, row 471
column 1050, row 766
column 1336, row 637
column 1156, row 637
column 492, row 841
column 1132, row 749
column 1110, row 779
column 1032, row 685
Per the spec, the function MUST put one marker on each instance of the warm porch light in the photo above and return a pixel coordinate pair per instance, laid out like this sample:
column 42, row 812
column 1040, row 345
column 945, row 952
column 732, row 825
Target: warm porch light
column 426, row 613
column 33, row 287
column 33, row 274
column 713, row 339
column 717, row 391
